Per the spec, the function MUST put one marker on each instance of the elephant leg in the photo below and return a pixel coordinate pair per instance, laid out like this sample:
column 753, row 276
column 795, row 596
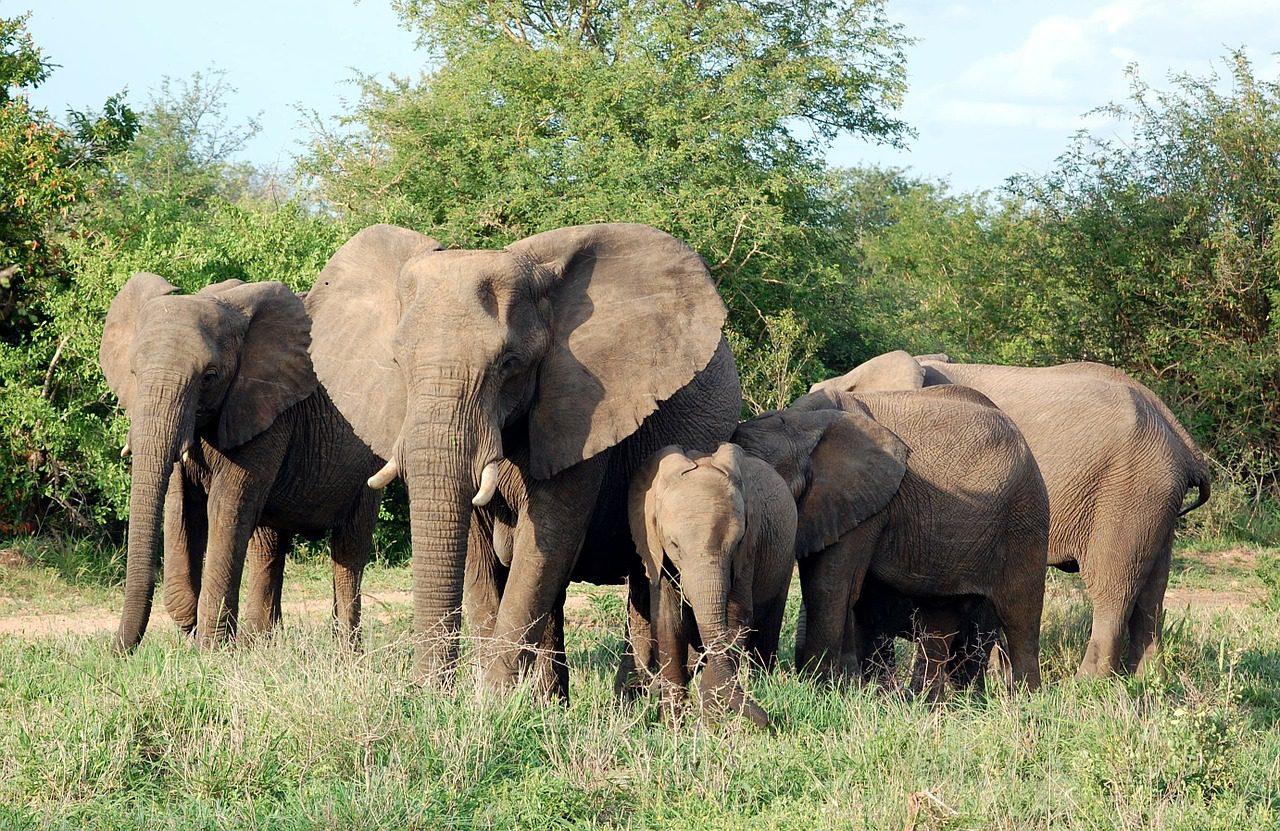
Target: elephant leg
column 264, row 567
column 879, row 657
column 1147, row 620
column 636, row 667
column 485, row 576
column 1112, row 575
column 970, row 652
column 1019, row 611
column 867, row 653
column 548, row 540
column 350, row 546
column 550, row 672
column 762, row 646
column 235, row 503
column 669, row 629
column 935, row 633
column 185, row 536
column 831, row 581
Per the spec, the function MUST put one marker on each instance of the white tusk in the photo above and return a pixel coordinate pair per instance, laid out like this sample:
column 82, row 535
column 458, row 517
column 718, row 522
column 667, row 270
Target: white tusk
column 488, row 484
column 384, row 476
column 125, row 451
column 186, row 456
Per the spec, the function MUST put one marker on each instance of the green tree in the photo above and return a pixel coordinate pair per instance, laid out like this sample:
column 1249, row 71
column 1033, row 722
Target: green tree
column 705, row 119
column 48, row 175
column 1154, row 253
column 173, row 200
column 1164, row 246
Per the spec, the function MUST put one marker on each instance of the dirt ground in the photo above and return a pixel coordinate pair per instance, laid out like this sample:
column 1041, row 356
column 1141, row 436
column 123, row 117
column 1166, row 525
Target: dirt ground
column 382, row 605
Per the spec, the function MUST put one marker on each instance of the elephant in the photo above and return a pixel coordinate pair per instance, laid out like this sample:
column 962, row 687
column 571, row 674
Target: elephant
column 715, row 531
column 955, row 637
column 234, row 438
column 525, row 386
column 1117, row 464
column 933, row 493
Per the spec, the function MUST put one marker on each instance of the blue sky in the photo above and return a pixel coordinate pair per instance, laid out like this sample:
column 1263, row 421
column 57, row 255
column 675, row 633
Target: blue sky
column 996, row 88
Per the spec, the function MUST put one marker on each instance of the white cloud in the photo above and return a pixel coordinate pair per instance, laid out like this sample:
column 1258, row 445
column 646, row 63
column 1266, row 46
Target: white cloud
column 980, row 113
column 1218, row 9
column 1118, row 15
column 1033, row 69
column 957, row 11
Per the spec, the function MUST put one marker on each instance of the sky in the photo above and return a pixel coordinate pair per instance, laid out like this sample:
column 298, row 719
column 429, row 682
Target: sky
column 995, row 88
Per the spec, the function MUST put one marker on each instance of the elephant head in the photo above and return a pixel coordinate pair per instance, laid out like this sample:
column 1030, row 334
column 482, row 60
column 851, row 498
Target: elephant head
column 690, row 510
column 887, row 372
column 221, row 364
column 546, row 352
column 841, row 466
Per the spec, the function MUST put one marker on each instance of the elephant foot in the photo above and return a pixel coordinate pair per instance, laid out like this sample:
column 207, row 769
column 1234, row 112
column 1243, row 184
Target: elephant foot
column 730, row 698
column 752, row 711
column 631, row 682
column 673, row 700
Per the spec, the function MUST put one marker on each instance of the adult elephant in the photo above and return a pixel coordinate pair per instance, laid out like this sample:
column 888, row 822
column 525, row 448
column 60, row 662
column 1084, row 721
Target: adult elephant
column 1117, row 464
column 232, row 438
column 533, row 380
column 933, row 493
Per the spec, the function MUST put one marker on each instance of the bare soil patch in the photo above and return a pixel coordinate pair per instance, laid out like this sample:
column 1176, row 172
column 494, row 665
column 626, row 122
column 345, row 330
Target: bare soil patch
column 12, row 558
column 579, row 605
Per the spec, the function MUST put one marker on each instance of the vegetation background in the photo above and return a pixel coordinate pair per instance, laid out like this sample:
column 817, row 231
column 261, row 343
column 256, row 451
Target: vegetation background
column 706, row 119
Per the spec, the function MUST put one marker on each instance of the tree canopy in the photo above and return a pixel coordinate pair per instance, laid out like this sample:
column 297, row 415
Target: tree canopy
column 707, row 119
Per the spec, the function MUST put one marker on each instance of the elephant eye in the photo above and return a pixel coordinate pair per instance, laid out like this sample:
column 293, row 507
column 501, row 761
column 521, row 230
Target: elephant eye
column 510, row 363
column 210, row 375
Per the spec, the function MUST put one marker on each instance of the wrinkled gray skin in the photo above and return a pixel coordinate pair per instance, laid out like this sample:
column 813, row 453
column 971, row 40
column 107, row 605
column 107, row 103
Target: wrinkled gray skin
column 934, row 493
column 718, row 531
column 231, row 439
column 561, row 362
column 1118, row 466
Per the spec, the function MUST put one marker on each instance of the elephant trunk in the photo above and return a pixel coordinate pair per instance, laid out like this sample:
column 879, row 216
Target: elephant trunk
column 444, row 456
column 707, row 591
column 160, row 433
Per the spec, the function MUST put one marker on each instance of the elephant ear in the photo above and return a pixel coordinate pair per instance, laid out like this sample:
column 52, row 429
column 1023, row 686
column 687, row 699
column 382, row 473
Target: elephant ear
column 729, row 459
column 115, row 354
column 634, row 317
column 890, row 371
column 355, row 309
column 275, row 370
column 642, row 503
column 842, row 467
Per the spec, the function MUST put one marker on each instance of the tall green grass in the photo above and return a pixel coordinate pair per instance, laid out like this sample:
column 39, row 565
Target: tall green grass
column 293, row 733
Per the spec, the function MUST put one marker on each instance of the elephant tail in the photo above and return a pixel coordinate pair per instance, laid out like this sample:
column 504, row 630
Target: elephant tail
column 1201, row 479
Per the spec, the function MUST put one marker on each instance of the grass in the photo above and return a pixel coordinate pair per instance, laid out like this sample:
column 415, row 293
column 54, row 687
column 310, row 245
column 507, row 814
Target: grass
column 293, row 733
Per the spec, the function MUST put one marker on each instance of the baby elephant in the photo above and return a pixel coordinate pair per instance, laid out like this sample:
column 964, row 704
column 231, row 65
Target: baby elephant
column 715, row 531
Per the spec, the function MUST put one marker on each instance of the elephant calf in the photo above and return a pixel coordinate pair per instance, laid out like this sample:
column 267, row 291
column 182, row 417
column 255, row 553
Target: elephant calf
column 234, row 439
column 955, row 637
column 718, row 530
column 934, row 493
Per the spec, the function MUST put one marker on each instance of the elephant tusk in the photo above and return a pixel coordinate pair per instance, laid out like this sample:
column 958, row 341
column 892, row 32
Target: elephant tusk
column 488, row 484
column 125, row 451
column 186, row 456
column 384, row 476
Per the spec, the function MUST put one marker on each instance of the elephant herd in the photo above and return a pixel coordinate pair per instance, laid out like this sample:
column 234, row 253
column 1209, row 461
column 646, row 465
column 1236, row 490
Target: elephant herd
column 567, row 408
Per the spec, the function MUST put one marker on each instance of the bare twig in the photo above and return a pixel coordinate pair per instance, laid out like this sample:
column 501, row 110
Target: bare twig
column 48, row 375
